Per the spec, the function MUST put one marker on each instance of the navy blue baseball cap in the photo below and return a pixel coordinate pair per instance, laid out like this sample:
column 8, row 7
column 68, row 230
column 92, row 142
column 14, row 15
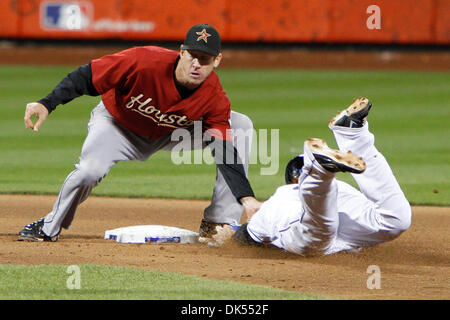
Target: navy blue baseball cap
column 203, row 37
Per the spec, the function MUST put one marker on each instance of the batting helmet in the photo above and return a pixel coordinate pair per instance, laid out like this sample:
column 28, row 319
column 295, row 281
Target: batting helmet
column 293, row 169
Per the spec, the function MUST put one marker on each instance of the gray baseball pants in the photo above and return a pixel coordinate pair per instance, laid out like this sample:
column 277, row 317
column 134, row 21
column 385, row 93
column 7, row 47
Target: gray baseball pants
column 108, row 142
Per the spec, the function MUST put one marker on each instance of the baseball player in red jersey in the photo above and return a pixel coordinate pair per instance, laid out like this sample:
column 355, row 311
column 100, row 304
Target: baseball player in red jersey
column 146, row 94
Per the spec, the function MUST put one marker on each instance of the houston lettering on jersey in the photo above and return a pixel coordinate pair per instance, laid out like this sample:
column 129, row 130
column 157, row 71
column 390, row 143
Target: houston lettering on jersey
column 152, row 112
column 138, row 89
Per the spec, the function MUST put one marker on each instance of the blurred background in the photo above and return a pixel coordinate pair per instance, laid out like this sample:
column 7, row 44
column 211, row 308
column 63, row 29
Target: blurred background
column 289, row 65
column 422, row 25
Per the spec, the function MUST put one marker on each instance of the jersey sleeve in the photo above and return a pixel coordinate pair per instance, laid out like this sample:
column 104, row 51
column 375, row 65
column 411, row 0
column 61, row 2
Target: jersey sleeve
column 112, row 71
column 230, row 165
column 75, row 84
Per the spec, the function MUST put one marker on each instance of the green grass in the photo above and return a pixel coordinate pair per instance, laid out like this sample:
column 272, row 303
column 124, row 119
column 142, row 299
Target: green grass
column 110, row 283
column 410, row 120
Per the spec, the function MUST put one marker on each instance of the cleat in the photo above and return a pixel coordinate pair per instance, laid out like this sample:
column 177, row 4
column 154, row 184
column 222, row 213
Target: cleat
column 33, row 232
column 335, row 160
column 354, row 116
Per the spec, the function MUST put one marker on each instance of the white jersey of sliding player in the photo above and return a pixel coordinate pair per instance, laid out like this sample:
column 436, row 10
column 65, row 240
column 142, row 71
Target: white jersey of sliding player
column 322, row 215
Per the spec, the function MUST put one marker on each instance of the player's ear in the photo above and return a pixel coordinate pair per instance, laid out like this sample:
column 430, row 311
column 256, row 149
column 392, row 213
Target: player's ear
column 217, row 60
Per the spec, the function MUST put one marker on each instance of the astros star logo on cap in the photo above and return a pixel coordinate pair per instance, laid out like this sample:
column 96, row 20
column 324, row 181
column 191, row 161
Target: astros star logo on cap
column 203, row 35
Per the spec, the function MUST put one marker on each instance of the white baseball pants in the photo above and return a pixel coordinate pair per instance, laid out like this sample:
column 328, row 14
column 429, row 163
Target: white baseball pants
column 322, row 215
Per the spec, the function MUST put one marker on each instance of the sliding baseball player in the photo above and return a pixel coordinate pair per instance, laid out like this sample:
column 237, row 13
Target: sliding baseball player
column 317, row 214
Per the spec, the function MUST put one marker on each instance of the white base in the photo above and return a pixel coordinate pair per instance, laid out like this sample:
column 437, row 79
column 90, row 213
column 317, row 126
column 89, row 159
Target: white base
column 152, row 234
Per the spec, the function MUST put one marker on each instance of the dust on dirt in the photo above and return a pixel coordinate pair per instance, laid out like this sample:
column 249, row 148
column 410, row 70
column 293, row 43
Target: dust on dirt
column 414, row 266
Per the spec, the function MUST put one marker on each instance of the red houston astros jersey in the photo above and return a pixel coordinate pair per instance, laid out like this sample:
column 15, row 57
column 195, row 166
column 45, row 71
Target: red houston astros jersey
column 138, row 89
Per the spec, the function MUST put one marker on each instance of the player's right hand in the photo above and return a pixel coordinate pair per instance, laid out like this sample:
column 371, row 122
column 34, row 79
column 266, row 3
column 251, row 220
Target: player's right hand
column 35, row 109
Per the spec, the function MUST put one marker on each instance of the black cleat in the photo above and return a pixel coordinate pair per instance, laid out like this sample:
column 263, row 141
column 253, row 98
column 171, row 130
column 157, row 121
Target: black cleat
column 353, row 116
column 33, row 232
column 335, row 160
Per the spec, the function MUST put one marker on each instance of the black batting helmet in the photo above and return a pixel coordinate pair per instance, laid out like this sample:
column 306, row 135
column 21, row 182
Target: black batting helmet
column 293, row 169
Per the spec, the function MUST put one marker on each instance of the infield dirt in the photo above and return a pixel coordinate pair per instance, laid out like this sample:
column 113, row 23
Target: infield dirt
column 414, row 266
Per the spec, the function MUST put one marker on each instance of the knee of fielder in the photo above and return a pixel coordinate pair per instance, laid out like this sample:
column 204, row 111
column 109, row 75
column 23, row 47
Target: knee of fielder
column 242, row 130
column 90, row 173
column 241, row 121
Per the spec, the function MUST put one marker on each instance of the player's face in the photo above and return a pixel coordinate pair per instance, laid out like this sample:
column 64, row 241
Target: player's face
column 194, row 67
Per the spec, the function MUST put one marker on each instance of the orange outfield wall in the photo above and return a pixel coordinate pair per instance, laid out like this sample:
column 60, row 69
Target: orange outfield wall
column 400, row 21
